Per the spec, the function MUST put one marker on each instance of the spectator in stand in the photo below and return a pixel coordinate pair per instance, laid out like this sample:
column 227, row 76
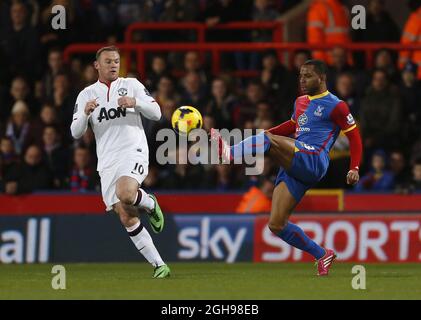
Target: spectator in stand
column 20, row 43
column 410, row 90
column 192, row 64
column 384, row 60
column 381, row 114
column 17, row 129
column 300, row 57
column 182, row 175
column 89, row 76
column 279, row 85
column 209, row 122
column 415, row 183
column 194, row 92
column 257, row 199
column 64, row 99
column 32, row 175
column 1, row 177
column 224, row 11
column 380, row 27
column 267, row 168
column 88, row 141
column 327, row 23
column 56, row 156
column 246, row 109
column 20, row 91
column 400, row 170
column 264, row 111
column 83, row 176
column 266, row 124
column 345, row 90
column 225, row 178
column 55, row 66
column 262, row 11
column 180, row 10
column 339, row 64
column 48, row 117
column 412, row 35
column 221, row 104
column 379, row 178
column 166, row 91
column 153, row 127
column 415, row 152
column 8, row 155
column 159, row 69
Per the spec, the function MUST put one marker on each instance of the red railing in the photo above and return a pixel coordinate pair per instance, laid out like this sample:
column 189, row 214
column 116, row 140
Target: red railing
column 200, row 29
column 217, row 48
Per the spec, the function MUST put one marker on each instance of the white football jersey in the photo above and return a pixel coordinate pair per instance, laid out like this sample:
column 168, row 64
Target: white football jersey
column 118, row 131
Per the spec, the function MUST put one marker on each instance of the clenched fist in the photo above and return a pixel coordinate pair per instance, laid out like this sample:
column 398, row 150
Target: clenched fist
column 352, row 177
column 90, row 106
column 126, row 102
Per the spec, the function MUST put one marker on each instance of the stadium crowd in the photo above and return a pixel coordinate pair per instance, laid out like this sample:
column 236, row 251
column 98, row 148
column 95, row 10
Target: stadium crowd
column 38, row 92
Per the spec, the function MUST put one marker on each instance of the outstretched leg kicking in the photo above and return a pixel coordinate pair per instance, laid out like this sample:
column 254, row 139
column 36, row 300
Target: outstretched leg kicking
column 287, row 193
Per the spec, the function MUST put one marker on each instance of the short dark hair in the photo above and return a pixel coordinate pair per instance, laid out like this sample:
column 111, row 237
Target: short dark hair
column 109, row 48
column 319, row 66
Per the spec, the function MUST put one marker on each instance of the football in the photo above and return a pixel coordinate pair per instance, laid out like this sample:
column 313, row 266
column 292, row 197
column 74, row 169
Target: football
column 185, row 119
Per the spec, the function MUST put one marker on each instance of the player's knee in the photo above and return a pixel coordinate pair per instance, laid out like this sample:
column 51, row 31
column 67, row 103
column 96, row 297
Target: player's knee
column 125, row 194
column 277, row 226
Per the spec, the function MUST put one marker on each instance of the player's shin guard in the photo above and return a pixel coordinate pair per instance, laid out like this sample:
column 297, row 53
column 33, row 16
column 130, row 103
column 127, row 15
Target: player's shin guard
column 295, row 236
column 143, row 242
column 258, row 144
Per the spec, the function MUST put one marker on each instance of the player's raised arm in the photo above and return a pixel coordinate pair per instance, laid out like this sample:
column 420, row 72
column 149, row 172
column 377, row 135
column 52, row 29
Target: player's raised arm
column 342, row 117
column 83, row 109
column 143, row 102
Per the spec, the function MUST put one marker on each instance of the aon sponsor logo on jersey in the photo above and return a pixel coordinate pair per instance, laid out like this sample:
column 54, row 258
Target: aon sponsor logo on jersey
column 111, row 113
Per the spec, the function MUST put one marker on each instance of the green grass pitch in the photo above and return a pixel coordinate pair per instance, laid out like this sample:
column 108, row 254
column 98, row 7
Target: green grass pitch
column 210, row 281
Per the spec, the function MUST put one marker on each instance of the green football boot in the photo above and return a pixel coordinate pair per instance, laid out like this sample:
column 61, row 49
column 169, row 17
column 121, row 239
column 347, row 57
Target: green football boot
column 156, row 217
column 162, row 272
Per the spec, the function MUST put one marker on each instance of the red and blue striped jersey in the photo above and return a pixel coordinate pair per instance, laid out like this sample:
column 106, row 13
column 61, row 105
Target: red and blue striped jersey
column 319, row 120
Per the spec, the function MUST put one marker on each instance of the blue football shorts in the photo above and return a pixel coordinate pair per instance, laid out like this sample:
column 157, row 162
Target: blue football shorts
column 308, row 167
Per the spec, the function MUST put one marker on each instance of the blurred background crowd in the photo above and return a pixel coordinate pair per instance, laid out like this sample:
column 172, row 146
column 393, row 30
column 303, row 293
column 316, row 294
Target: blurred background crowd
column 38, row 92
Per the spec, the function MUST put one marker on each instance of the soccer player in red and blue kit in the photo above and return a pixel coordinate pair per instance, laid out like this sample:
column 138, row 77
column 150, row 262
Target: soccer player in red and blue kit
column 316, row 122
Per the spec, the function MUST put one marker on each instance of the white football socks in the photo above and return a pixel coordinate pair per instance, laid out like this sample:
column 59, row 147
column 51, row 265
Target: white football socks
column 143, row 242
column 143, row 200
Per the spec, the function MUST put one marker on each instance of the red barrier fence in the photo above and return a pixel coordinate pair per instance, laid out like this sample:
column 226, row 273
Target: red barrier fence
column 201, row 28
column 209, row 203
column 216, row 48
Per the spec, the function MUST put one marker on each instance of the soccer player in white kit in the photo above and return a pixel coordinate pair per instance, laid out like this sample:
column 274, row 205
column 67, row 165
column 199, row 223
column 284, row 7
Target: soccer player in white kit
column 112, row 106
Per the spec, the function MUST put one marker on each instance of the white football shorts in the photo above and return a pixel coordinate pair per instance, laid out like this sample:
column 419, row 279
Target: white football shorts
column 135, row 166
